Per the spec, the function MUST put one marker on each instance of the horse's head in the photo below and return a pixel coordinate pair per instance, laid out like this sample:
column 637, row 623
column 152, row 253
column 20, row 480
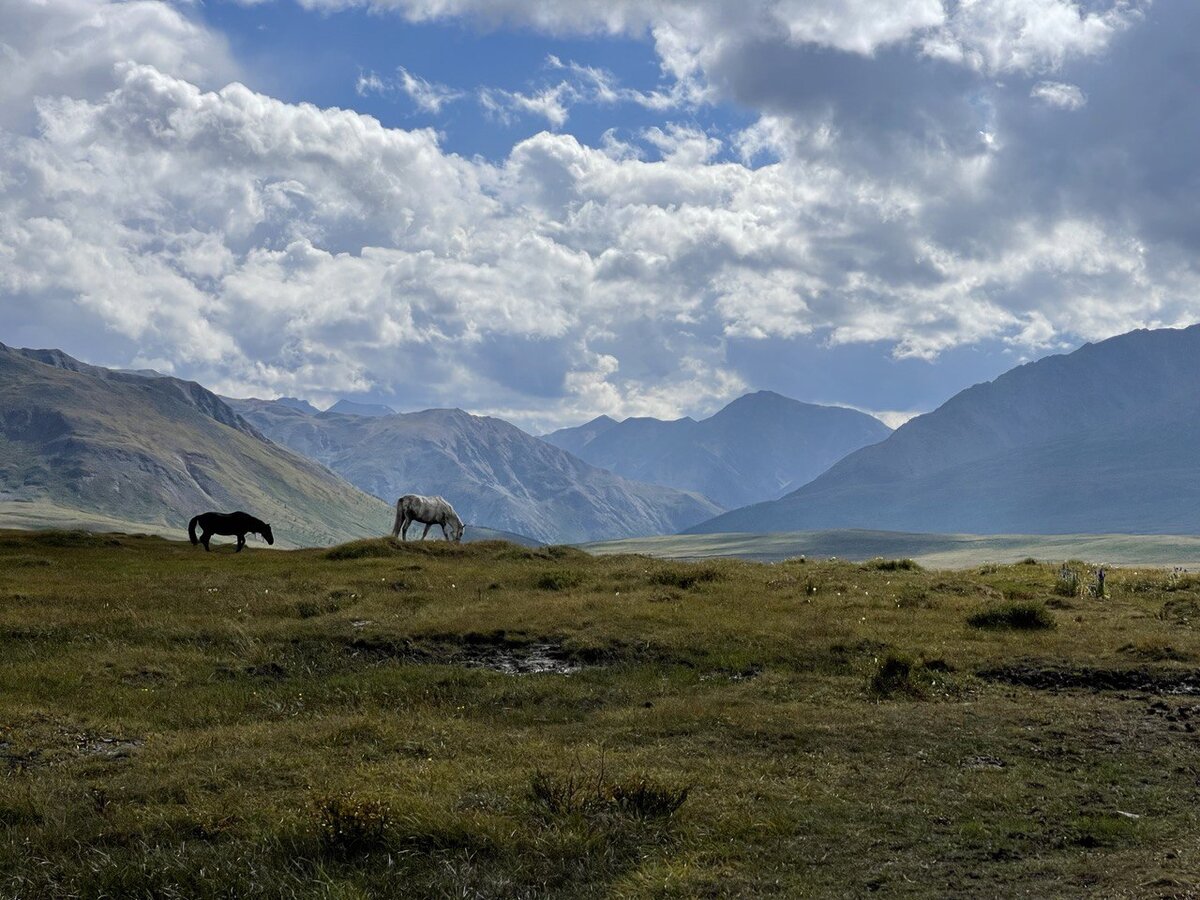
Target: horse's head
column 456, row 529
column 266, row 534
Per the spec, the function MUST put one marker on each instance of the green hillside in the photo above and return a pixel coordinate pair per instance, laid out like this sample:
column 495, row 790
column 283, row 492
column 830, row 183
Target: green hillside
column 148, row 453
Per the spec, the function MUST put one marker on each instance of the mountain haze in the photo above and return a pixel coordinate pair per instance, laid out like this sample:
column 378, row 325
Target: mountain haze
column 756, row 448
column 1104, row 439
column 87, row 445
column 491, row 471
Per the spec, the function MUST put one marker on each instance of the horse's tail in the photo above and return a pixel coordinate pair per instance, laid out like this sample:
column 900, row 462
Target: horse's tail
column 396, row 525
column 192, row 530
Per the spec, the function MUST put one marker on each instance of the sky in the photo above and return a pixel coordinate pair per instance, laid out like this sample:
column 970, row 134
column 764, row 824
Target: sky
column 547, row 210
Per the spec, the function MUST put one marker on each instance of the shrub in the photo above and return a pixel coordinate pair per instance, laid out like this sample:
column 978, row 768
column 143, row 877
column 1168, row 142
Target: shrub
column 1029, row 561
column 1025, row 616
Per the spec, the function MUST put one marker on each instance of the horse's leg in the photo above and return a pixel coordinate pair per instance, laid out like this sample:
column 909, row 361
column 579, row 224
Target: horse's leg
column 404, row 530
column 241, row 543
column 204, row 538
column 428, row 525
column 445, row 533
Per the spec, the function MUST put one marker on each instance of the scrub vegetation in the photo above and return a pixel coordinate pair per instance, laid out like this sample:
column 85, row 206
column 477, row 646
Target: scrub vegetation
column 493, row 720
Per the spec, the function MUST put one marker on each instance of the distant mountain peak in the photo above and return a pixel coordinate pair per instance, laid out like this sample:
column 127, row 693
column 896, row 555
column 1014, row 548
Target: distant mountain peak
column 353, row 408
column 756, row 448
column 297, row 404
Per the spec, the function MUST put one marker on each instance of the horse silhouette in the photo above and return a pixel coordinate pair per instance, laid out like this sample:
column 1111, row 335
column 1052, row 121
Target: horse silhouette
column 430, row 511
column 234, row 523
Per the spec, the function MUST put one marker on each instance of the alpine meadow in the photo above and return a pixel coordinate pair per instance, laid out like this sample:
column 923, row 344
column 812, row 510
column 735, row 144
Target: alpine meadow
column 506, row 449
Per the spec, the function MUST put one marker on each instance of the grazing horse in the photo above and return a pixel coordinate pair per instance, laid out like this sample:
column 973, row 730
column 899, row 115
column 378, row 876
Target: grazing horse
column 430, row 511
column 238, row 523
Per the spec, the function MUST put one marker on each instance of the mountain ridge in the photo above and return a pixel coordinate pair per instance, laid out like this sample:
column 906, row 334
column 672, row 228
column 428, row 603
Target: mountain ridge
column 1097, row 440
column 758, row 446
column 488, row 468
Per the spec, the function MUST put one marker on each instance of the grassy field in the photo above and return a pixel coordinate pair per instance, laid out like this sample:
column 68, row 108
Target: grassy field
column 490, row 720
column 942, row 551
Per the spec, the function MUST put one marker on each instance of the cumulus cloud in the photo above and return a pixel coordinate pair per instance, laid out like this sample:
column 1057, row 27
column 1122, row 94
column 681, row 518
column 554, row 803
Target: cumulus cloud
column 69, row 47
column 268, row 247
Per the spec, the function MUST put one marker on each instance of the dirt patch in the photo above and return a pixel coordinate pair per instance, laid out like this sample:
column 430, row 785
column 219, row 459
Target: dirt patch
column 1057, row 678
column 496, row 652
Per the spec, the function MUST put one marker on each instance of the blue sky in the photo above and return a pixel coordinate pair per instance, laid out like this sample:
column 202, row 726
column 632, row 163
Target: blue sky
column 550, row 211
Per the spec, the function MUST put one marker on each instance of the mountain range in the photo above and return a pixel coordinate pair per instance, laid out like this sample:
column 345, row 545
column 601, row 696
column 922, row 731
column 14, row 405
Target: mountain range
column 758, row 447
column 1101, row 440
column 1104, row 439
column 490, row 470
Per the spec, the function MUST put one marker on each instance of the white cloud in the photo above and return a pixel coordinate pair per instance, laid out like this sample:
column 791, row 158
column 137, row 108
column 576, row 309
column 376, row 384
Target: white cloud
column 1028, row 35
column 69, row 47
column 428, row 96
column 991, row 35
column 285, row 248
column 1059, row 94
column 268, row 247
column 551, row 103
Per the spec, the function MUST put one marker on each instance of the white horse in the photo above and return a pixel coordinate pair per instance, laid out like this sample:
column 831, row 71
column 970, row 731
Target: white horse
column 429, row 510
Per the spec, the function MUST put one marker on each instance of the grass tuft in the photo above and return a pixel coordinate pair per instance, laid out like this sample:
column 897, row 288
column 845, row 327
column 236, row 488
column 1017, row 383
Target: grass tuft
column 558, row 580
column 896, row 675
column 371, row 549
column 349, row 826
column 577, row 794
column 1029, row 615
column 892, row 565
column 684, row 577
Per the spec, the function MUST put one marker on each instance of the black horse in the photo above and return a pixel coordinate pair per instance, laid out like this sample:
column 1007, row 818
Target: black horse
column 238, row 523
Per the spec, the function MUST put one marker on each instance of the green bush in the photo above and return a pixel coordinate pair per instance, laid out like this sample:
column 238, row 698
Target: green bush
column 1026, row 616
